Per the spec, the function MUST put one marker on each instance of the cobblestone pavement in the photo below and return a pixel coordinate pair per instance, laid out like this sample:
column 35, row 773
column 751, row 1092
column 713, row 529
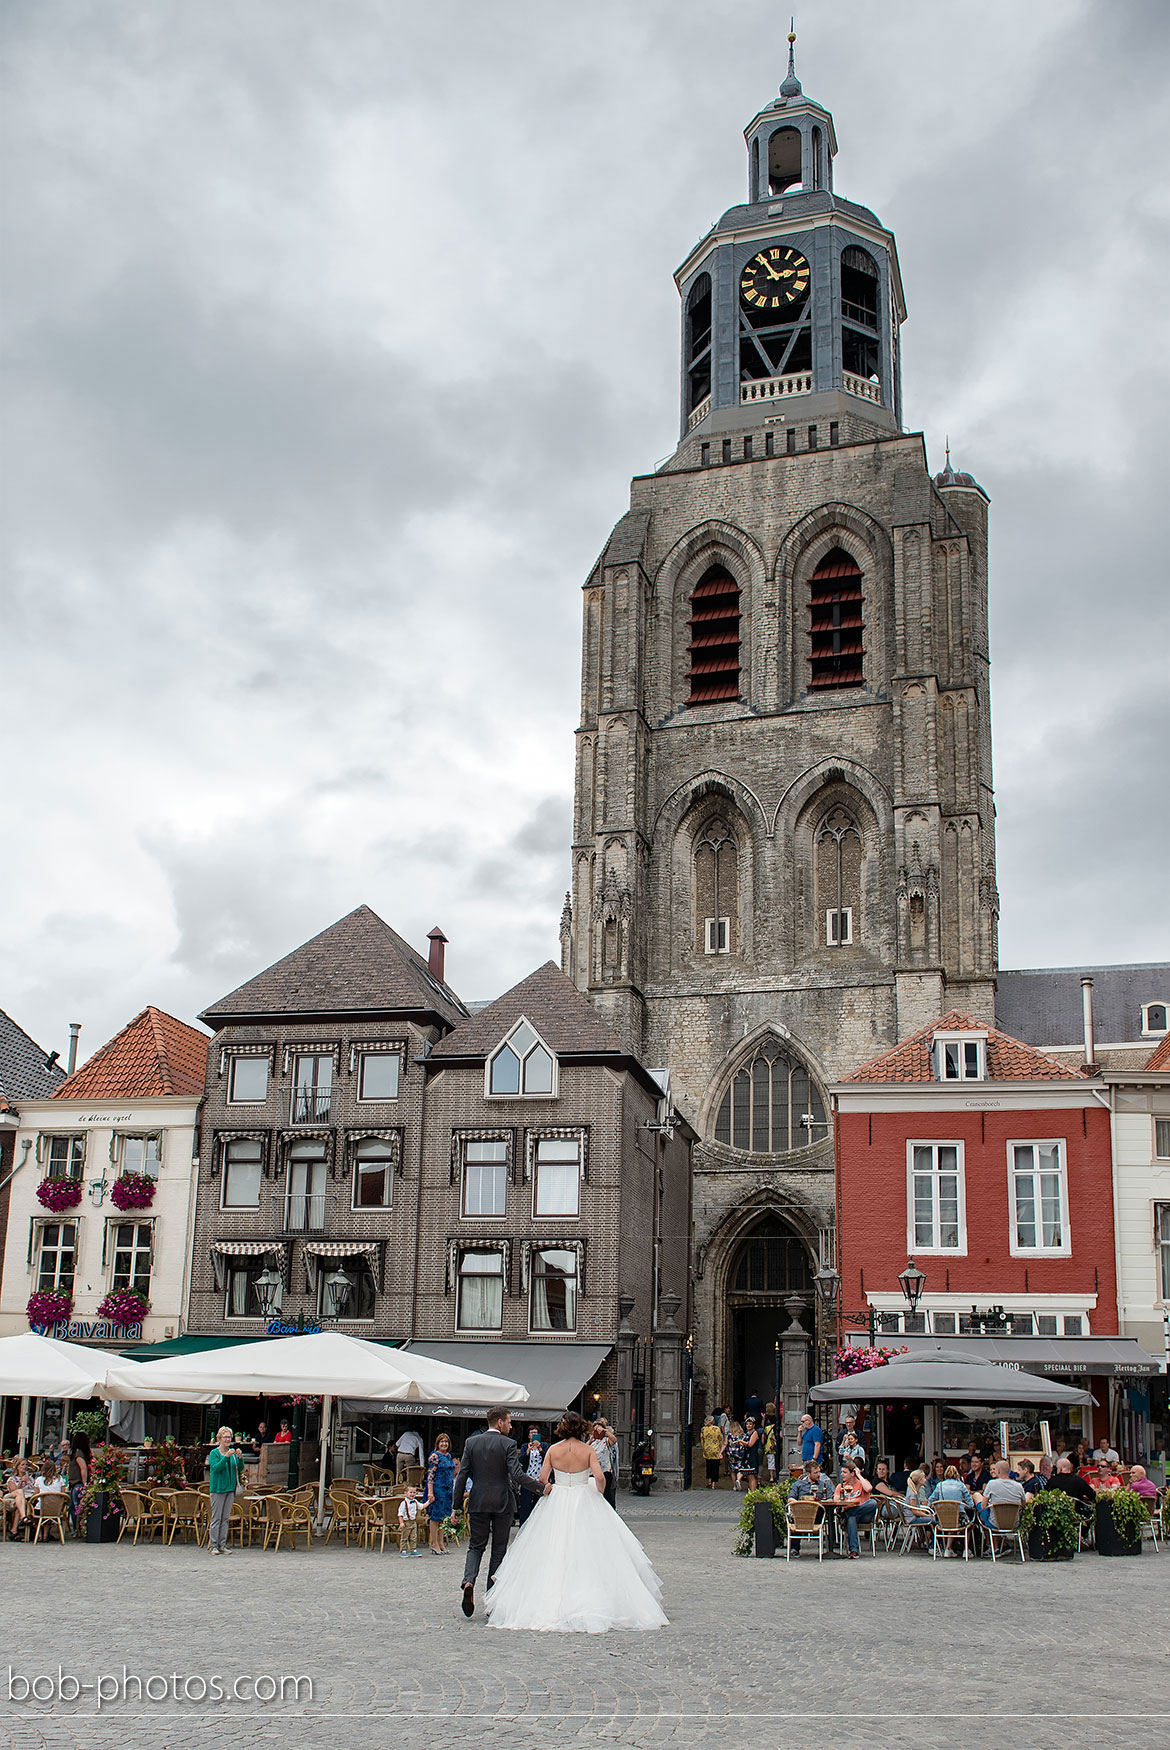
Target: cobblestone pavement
column 883, row 1652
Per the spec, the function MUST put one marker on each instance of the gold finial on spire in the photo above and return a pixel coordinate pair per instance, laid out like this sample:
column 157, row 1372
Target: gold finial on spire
column 791, row 85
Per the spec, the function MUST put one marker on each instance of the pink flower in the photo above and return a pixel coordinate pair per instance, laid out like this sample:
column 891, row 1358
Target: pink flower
column 48, row 1308
column 132, row 1191
column 125, row 1306
column 60, row 1193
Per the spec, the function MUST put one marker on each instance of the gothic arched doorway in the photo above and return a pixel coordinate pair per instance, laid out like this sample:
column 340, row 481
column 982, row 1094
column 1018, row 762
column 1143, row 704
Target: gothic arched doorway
column 769, row 1264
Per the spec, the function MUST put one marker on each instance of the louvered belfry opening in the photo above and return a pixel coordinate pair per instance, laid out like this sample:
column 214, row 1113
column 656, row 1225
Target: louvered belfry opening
column 714, row 646
column 838, row 649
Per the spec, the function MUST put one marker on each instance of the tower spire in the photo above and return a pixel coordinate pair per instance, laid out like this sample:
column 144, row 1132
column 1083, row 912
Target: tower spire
column 791, row 86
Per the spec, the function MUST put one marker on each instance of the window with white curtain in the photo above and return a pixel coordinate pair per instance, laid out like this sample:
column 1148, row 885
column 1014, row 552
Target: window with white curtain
column 373, row 1173
column 936, row 1206
column 243, row 1297
column 556, row 1188
column 481, row 1291
column 553, row 1291
column 1039, row 1197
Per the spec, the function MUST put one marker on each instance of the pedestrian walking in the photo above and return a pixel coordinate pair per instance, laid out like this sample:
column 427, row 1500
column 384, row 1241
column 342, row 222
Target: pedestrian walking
column 714, row 1445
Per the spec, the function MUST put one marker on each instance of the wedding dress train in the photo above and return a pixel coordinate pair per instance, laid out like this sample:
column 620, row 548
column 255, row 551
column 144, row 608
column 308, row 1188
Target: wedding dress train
column 575, row 1565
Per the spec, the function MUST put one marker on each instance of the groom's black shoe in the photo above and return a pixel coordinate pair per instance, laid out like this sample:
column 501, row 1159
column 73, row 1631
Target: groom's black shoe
column 468, row 1598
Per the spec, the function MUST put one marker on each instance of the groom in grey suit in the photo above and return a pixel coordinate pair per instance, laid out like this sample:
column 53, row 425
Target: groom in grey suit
column 491, row 1464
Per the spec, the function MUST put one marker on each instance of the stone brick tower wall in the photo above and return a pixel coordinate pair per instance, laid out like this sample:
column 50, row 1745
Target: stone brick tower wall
column 783, row 836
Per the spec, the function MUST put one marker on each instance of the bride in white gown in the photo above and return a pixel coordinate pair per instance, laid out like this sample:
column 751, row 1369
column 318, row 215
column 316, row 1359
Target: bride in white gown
column 575, row 1565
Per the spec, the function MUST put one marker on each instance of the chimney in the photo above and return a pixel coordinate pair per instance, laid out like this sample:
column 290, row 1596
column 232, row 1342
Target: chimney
column 1087, row 1008
column 74, row 1033
column 436, row 959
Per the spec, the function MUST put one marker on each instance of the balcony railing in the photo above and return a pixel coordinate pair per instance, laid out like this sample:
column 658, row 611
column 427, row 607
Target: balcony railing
column 862, row 387
column 699, row 412
column 304, row 1212
column 772, row 388
column 309, row 1105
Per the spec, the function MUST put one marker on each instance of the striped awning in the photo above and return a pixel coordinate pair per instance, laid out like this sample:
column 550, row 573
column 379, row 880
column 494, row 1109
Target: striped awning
column 278, row 1249
column 370, row 1250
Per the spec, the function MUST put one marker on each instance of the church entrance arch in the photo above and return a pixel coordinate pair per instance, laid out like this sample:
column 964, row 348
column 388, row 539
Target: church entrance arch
column 767, row 1265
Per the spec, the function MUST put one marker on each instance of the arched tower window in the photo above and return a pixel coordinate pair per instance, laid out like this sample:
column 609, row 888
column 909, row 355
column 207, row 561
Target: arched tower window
column 817, row 159
column 714, row 645
column 772, row 1105
column 754, row 186
column 838, row 868
column 837, row 628
column 771, row 1259
column 783, row 160
column 699, row 342
column 860, row 349
column 716, row 890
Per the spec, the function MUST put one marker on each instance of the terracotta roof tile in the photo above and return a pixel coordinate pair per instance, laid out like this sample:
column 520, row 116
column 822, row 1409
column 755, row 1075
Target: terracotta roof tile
column 566, row 1021
column 1008, row 1059
column 1161, row 1055
column 153, row 1055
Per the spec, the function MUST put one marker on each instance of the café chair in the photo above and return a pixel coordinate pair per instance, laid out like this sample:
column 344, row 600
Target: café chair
column 141, row 1512
column 949, row 1523
column 186, row 1515
column 345, row 1510
column 52, row 1510
column 1005, row 1527
column 381, row 1521
column 804, row 1521
column 284, row 1518
column 246, row 1516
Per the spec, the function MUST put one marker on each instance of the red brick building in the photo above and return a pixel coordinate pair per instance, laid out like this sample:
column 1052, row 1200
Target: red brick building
column 990, row 1164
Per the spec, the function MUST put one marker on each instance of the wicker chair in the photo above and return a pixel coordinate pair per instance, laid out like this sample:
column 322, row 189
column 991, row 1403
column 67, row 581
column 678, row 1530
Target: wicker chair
column 345, row 1510
column 284, row 1518
column 247, row 1516
column 1005, row 1527
column 53, row 1511
column 142, row 1513
column 381, row 1521
column 950, row 1524
column 187, row 1514
column 804, row 1522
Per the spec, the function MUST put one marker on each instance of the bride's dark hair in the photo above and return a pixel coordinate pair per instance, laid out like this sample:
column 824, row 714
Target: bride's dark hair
column 571, row 1426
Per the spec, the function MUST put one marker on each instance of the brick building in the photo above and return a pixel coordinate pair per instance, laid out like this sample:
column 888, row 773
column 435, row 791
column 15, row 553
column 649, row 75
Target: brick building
column 989, row 1164
column 503, row 1187
column 784, row 854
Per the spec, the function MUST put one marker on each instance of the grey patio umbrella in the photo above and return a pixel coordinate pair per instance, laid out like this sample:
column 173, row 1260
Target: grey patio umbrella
column 943, row 1376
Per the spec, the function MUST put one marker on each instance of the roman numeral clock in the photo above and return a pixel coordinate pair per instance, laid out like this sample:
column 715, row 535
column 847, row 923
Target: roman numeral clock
column 774, row 279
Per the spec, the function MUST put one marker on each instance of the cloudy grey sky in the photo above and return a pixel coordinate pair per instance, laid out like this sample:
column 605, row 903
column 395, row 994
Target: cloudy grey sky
column 334, row 333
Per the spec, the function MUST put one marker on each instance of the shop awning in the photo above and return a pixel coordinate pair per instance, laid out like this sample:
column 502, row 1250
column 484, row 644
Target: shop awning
column 192, row 1345
column 1052, row 1355
column 554, row 1374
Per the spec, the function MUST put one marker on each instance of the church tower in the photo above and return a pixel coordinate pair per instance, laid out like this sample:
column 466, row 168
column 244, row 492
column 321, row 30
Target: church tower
column 784, row 852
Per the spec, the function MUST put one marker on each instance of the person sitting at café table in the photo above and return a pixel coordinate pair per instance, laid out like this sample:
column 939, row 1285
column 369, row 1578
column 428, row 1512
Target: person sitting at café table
column 1071, row 1481
column 1002, row 1491
column 1140, row 1483
column 953, row 1488
column 19, row 1486
column 851, row 1451
column 1106, row 1453
column 916, row 1502
column 283, row 1435
column 1109, row 1477
column 814, row 1485
column 852, row 1493
column 938, row 1469
column 1082, row 1456
column 978, row 1476
column 1029, row 1481
column 50, row 1481
column 882, row 1484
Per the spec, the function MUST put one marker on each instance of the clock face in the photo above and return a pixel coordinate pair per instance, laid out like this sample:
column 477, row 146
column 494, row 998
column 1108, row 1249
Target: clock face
column 774, row 279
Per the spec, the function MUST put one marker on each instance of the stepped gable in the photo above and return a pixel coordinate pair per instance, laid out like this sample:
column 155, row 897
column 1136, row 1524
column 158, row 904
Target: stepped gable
column 25, row 1071
column 359, row 965
column 566, row 1021
column 154, row 1055
column 1160, row 1058
column 1008, row 1059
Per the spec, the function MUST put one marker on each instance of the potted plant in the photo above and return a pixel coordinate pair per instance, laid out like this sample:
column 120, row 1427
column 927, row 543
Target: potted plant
column 48, row 1306
column 125, row 1306
column 100, row 1507
column 132, row 1191
column 773, row 1496
column 60, row 1194
column 168, row 1466
column 1051, row 1523
column 1121, row 1517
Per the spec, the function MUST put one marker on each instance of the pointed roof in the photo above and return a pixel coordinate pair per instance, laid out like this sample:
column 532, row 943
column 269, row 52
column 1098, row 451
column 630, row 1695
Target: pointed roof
column 1160, row 1058
column 25, row 1070
column 152, row 1056
column 359, row 965
column 1008, row 1059
column 566, row 1021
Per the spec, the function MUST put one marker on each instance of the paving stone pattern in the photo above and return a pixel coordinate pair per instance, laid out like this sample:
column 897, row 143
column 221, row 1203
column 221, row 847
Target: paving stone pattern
column 886, row 1651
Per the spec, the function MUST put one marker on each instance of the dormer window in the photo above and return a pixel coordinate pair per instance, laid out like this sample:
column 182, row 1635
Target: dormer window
column 523, row 1065
column 960, row 1057
column 1155, row 1019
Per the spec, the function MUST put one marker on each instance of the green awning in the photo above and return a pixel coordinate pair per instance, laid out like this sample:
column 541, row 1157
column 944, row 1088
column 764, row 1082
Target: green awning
column 192, row 1345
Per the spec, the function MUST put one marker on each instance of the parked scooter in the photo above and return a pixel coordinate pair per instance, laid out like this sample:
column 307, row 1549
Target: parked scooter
column 642, row 1464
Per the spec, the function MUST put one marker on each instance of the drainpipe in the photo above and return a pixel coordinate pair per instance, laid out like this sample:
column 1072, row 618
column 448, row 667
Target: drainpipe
column 74, row 1034
column 1087, row 1010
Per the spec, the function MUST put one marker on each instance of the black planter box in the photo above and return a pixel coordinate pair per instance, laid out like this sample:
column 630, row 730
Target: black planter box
column 101, row 1526
column 764, row 1529
column 1038, row 1550
column 1108, row 1541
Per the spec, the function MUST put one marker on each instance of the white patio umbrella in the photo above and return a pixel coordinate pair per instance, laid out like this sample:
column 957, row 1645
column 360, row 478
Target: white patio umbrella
column 33, row 1366
column 326, row 1362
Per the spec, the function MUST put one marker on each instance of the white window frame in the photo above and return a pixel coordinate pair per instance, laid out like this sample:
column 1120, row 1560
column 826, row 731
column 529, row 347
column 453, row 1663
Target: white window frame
column 522, row 1093
column 498, row 1275
column 388, row 1168
column 55, row 1287
column 832, row 939
column 1149, row 1032
column 539, row 1214
column 348, row 1316
column 938, row 1050
column 364, row 1099
column 233, row 1058
column 75, row 1165
column 225, row 1164
column 1157, row 1152
column 1064, row 1250
column 913, row 1245
column 135, row 1248
column 1162, row 1252
column 502, row 1164
column 118, row 1151
column 717, row 935
column 534, row 1275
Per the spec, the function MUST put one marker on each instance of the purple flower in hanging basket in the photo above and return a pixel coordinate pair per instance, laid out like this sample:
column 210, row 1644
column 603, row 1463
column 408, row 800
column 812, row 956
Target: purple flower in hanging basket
column 125, row 1306
column 132, row 1191
column 59, row 1194
column 46, row 1307
column 858, row 1360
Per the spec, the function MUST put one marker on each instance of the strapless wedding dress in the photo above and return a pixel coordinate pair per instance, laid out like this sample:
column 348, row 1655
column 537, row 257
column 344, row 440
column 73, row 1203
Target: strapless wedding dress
column 575, row 1566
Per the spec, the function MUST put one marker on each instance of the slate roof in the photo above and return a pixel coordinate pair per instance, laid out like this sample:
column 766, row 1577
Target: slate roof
column 358, row 965
column 1008, row 1060
column 1161, row 1055
column 24, row 1066
column 153, row 1055
column 1043, row 1004
column 566, row 1021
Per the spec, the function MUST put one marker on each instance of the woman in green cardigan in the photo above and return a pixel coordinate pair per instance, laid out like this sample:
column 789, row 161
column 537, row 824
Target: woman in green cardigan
column 227, row 1469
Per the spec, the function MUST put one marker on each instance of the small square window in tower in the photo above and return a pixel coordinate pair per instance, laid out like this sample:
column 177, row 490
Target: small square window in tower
column 714, row 645
column 837, row 629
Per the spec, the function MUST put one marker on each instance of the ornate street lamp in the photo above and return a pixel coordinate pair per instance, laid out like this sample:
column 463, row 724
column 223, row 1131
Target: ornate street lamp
column 268, row 1286
column 338, row 1288
column 911, row 1281
column 828, row 1286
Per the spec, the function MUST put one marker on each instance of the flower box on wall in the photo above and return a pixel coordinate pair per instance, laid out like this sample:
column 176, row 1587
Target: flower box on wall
column 132, row 1191
column 60, row 1194
column 47, row 1307
column 124, row 1307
